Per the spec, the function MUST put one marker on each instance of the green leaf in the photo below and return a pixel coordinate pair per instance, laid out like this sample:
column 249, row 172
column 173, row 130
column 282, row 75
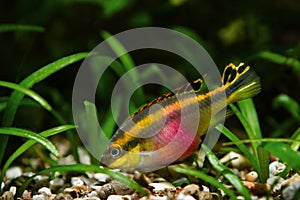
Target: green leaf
column 20, row 27
column 241, row 146
column 289, row 104
column 28, row 92
column 86, row 168
column 296, row 136
column 284, row 153
column 264, row 160
column 126, row 61
column 203, row 176
column 28, row 82
column 225, row 171
column 31, row 135
column 31, row 142
column 280, row 59
column 249, row 112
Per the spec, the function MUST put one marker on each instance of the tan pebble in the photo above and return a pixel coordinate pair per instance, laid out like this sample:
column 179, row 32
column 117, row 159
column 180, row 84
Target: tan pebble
column 251, row 176
column 7, row 195
column 108, row 189
column 191, row 191
column 250, row 185
column 121, row 188
column 26, row 195
column 294, row 179
column 257, row 188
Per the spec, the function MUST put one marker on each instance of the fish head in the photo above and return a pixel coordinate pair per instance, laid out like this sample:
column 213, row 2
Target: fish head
column 116, row 156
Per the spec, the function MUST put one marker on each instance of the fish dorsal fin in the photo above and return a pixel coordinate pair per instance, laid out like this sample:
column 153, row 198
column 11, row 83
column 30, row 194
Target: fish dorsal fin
column 232, row 73
column 196, row 86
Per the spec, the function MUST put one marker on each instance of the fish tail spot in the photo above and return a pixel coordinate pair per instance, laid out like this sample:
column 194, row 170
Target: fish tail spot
column 240, row 82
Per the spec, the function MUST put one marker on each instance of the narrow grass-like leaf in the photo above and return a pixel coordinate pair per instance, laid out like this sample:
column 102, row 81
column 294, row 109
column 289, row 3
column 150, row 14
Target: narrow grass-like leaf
column 284, row 153
column 235, row 140
column 290, row 104
column 24, row 102
column 247, row 108
column 109, row 124
column 28, row 92
column 264, row 160
column 28, row 82
column 92, row 123
column 287, row 140
column 86, row 168
column 243, row 120
column 225, row 171
column 31, row 142
column 248, row 117
column 296, row 136
column 203, row 176
column 280, row 59
column 31, row 135
column 126, row 61
column 20, row 27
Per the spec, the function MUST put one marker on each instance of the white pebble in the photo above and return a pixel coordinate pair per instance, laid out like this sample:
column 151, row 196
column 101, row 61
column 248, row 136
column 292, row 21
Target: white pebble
column 56, row 183
column 275, row 182
column 236, row 160
column 162, row 186
column 45, row 190
column 182, row 196
column 93, row 194
column 154, row 197
column 119, row 197
column 276, row 168
column 84, row 156
column 13, row 172
column 205, row 188
column 41, row 178
column 13, row 189
column 96, row 187
column 77, row 181
column 289, row 192
column 90, row 198
column 2, row 185
column 39, row 197
column 101, row 177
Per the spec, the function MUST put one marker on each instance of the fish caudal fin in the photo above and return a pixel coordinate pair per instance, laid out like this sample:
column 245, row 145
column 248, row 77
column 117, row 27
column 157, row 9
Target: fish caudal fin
column 240, row 82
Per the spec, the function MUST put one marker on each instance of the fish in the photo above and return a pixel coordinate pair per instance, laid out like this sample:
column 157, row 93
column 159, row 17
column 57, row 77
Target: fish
column 168, row 130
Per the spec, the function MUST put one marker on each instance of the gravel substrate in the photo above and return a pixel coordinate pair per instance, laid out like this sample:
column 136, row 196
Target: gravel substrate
column 161, row 185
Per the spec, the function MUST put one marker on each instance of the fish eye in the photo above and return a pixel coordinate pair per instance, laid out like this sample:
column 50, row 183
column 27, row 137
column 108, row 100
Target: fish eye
column 115, row 152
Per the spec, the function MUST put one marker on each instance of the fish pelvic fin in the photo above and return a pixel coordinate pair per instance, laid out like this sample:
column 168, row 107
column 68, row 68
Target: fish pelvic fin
column 240, row 82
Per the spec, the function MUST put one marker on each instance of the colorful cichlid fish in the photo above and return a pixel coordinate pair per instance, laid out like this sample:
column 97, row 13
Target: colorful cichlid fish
column 161, row 132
